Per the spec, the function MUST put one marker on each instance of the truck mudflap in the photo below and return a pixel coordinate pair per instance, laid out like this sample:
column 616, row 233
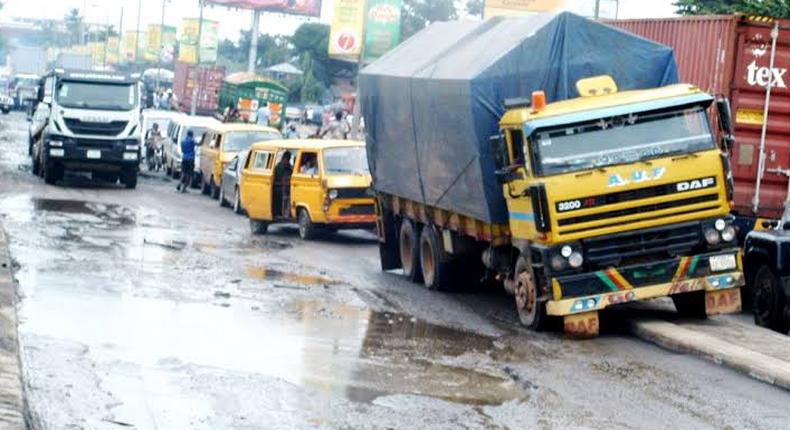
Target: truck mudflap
column 587, row 293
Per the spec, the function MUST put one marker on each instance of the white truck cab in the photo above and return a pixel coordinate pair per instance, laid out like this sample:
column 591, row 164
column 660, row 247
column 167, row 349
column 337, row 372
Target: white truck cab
column 94, row 125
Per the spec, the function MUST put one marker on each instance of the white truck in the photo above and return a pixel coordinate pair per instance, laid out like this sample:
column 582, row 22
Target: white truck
column 94, row 125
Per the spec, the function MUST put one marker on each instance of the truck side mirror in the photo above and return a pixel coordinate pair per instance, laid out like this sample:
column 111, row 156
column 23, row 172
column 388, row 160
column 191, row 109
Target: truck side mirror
column 725, row 122
column 508, row 174
column 499, row 150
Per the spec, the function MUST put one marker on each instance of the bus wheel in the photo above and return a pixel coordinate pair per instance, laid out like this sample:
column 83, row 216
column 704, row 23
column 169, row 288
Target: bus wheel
column 531, row 310
column 409, row 244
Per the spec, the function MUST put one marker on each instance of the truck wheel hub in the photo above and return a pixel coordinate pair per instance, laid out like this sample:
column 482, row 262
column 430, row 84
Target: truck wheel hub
column 525, row 292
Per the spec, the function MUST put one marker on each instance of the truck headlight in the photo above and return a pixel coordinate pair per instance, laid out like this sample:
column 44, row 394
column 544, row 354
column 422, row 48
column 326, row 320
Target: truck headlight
column 132, row 147
column 55, row 143
column 131, row 156
column 720, row 224
column 333, row 194
column 558, row 263
column 568, row 255
column 712, row 236
column 728, row 233
column 576, row 260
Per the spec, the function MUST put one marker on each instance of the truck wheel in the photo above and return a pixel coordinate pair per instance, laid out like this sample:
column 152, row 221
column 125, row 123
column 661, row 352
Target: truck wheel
column 437, row 274
column 769, row 301
column 35, row 166
column 690, row 305
column 52, row 173
column 409, row 242
column 214, row 189
column 258, row 227
column 129, row 178
column 237, row 202
column 531, row 310
column 307, row 229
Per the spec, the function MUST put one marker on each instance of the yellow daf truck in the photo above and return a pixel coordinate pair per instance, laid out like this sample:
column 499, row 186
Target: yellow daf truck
column 610, row 197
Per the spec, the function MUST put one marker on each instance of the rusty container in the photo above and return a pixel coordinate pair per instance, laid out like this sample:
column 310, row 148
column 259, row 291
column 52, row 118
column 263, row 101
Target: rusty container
column 730, row 55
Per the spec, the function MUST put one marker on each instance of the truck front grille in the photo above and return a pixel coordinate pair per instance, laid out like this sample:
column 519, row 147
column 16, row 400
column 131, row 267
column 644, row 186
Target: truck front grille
column 78, row 126
column 658, row 242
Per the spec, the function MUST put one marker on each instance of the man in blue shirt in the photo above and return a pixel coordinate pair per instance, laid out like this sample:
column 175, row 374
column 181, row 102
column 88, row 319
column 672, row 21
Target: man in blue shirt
column 187, row 161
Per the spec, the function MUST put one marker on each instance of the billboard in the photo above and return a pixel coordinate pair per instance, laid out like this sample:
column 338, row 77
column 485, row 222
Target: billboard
column 113, row 49
column 130, row 41
column 160, row 43
column 606, row 8
column 294, row 7
column 382, row 27
column 189, row 48
column 345, row 36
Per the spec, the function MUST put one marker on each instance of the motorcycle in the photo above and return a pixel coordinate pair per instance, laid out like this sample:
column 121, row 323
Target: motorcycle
column 153, row 159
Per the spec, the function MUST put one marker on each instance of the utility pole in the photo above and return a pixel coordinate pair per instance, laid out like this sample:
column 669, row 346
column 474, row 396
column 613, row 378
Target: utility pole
column 137, row 32
column 161, row 46
column 120, row 36
column 253, row 57
column 597, row 9
column 197, row 92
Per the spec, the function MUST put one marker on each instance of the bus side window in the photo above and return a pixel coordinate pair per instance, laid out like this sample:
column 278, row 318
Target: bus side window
column 516, row 141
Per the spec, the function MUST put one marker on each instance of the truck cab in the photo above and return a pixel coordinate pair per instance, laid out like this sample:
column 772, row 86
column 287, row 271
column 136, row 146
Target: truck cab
column 767, row 267
column 616, row 197
column 93, row 125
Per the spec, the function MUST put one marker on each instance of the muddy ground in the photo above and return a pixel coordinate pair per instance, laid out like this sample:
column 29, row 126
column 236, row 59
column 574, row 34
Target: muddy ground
column 154, row 310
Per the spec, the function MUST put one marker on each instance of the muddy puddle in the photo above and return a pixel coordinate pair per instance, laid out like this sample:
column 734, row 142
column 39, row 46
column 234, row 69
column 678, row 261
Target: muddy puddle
column 283, row 278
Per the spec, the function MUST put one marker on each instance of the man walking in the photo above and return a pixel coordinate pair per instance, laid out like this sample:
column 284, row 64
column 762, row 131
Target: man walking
column 264, row 114
column 187, row 161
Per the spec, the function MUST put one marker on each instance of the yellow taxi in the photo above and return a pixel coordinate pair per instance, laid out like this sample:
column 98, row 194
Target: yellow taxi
column 323, row 185
column 220, row 143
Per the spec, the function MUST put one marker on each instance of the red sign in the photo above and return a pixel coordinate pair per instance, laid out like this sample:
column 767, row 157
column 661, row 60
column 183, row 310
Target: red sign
column 295, row 7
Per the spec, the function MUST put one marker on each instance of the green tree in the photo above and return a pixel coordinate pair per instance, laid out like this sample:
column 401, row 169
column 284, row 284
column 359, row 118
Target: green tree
column 772, row 8
column 417, row 14
column 74, row 26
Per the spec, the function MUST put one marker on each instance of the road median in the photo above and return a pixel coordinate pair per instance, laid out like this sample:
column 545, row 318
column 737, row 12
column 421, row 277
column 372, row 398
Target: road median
column 760, row 353
column 12, row 399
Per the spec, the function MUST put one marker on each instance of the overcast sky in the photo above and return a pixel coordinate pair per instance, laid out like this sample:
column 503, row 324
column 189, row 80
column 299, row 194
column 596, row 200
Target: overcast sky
column 109, row 11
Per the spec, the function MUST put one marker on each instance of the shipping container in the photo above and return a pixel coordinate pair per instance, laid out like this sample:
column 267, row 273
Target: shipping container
column 73, row 60
column 28, row 60
column 201, row 82
column 731, row 55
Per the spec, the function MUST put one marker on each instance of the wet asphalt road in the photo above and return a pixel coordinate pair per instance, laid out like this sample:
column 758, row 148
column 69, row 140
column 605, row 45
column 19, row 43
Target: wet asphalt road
column 153, row 310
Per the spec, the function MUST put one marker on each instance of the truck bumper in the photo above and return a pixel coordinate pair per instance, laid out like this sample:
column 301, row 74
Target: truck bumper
column 593, row 291
column 94, row 154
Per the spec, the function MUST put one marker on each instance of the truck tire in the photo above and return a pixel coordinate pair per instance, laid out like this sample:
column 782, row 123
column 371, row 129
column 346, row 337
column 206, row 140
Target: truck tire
column 129, row 178
column 690, row 305
column 531, row 310
column 769, row 301
column 53, row 172
column 258, row 227
column 389, row 254
column 213, row 189
column 35, row 166
column 437, row 272
column 307, row 230
column 409, row 246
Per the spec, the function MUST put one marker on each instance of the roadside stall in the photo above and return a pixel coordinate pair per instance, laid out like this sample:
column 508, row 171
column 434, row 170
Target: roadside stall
column 247, row 92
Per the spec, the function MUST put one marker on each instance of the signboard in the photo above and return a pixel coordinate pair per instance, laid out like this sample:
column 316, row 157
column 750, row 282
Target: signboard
column 345, row 36
column 160, row 43
column 130, row 41
column 382, row 27
column 97, row 52
column 188, row 44
column 520, row 7
column 293, row 7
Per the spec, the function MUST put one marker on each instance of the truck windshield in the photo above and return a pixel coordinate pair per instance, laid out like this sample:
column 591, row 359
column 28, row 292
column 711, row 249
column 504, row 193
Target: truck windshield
column 241, row 140
column 89, row 95
column 345, row 161
column 622, row 139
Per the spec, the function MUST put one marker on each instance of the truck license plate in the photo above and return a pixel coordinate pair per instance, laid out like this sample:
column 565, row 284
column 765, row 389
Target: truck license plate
column 719, row 263
column 93, row 154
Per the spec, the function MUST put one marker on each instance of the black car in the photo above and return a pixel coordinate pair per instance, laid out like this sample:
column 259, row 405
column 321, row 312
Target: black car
column 767, row 264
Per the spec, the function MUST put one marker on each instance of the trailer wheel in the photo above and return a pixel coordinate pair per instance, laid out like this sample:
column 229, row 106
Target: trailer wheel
column 531, row 310
column 690, row 305
column 409, row 244
column 769, row 301
column 53, row 172
column 437, row 274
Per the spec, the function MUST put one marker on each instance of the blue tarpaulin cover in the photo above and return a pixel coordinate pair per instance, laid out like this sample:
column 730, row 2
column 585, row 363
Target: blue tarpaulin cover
column 431, row 104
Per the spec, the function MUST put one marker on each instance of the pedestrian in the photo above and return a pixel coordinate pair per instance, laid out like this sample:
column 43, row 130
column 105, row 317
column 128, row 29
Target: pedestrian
column 156, row 100
column 264, row 114
column 337, row 129
column 291, row 132
column 282, row 188
column 187, row 161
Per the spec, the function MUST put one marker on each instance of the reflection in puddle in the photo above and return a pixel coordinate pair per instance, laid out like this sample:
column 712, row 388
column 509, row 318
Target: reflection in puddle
column 278, row 275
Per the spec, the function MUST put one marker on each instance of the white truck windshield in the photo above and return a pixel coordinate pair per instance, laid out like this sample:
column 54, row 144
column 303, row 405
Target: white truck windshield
column 622, row 139
column 93, row 95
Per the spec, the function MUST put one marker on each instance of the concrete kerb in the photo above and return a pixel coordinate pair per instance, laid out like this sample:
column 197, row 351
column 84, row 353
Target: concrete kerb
column 673, row 337
column 13, row 410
